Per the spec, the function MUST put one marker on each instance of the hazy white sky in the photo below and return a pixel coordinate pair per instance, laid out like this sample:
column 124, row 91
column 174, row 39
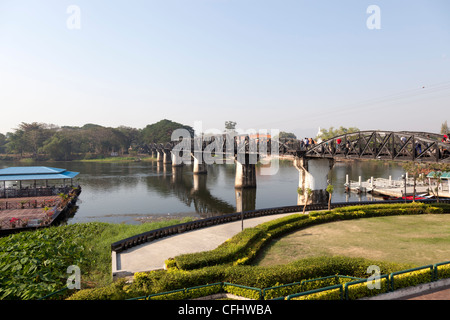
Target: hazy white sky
column 288, row 65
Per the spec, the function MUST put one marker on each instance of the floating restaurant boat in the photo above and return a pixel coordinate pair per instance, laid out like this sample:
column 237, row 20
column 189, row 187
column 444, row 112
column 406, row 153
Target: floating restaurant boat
column 24, row 207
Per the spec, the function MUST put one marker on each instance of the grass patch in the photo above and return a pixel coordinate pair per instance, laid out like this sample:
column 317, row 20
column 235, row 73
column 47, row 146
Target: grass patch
column 416, row 239
column 118, row 159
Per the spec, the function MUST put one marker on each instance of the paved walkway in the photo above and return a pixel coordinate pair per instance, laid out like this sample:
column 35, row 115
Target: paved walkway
column 152, row 255
column 436, row 294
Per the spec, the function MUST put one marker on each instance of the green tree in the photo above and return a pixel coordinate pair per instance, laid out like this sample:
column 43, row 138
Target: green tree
column 307, row 193
column 33, row 136
column 330, row 190
column 161, row 132
column 444, row 128
column 3, row 142
column 58, row 147
column 130, row 137
column 15, row 144
column 437, row 171
column 332, row 132
column 416, row 170
column 287, row 135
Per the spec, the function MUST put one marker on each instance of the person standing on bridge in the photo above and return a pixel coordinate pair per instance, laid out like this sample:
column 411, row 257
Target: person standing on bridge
column 338, row 141
column 445, row 139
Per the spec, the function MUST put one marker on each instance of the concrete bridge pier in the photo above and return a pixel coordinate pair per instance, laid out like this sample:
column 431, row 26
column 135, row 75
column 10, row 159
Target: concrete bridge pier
column 245, row 173
column 313, row 174
column 176, row 160
column 159, row 155
column 167, row 156
column 154, row 153
column 199, row 166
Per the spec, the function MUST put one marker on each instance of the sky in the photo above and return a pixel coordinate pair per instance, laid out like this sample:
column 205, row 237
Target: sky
column 290, row 65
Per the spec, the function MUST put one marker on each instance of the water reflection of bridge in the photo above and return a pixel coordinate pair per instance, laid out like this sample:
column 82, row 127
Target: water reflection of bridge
column 191, row 189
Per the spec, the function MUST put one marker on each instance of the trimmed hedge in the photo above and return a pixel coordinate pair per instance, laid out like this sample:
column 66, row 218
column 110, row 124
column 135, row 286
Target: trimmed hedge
column 361, row 290
column 147, row 283
column 332, row 294
column 413, row 278
column 292, row 288
column 443, row 272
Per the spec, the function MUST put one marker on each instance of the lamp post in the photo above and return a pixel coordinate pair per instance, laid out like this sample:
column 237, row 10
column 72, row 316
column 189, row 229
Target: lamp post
column 404, row 183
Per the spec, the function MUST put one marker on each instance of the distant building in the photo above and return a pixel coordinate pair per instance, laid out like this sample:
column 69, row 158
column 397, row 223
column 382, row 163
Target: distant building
column 319, row 136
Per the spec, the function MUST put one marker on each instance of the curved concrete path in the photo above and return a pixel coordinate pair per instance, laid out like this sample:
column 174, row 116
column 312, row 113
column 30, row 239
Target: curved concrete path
column 152, row 255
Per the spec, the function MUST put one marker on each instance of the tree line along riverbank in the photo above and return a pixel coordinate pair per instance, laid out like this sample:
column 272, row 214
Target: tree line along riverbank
column 41, row 141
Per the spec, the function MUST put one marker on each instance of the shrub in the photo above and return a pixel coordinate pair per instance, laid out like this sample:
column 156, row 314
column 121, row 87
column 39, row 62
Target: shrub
column 244, row 246
column 412, row 278
column 443, row 271
column 235, row 248
column 282, row 290
column 331, row 294
column 261, row 277
column 357, row 290
column 116, row 291
column 243, row 291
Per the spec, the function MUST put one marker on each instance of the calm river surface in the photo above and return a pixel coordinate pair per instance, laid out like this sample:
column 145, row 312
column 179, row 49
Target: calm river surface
column 126, row 192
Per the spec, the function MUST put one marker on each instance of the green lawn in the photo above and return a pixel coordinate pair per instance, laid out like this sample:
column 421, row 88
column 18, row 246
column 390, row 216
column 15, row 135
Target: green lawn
column 418, row 239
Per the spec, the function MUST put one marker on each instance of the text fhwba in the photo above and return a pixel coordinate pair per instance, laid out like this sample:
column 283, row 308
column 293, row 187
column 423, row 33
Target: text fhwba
column 228, row 309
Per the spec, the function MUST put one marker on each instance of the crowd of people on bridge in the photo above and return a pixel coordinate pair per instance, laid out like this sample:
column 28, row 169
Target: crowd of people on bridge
column 306, row 142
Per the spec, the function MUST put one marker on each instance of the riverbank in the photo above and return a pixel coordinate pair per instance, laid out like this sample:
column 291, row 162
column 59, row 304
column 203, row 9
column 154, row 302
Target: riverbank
column 81, row 158
column 152, row 218
column 119, row 159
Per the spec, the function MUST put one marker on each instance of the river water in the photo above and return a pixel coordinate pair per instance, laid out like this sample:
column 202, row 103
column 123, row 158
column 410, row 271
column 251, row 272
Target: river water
column 128, row 192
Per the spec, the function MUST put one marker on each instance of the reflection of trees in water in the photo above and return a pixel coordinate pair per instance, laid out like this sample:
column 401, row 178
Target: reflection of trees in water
column 110, row 176
column 167, row 181
column 188, row 188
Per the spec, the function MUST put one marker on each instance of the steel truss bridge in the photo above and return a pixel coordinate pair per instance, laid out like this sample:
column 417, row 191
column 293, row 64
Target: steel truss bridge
column 381, row 145
column 384, row 145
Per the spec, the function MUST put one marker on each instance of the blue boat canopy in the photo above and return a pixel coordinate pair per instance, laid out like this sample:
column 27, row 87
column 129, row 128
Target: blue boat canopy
column 35, row 173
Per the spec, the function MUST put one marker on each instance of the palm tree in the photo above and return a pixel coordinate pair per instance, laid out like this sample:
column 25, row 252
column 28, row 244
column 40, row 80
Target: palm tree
column 308, row 194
